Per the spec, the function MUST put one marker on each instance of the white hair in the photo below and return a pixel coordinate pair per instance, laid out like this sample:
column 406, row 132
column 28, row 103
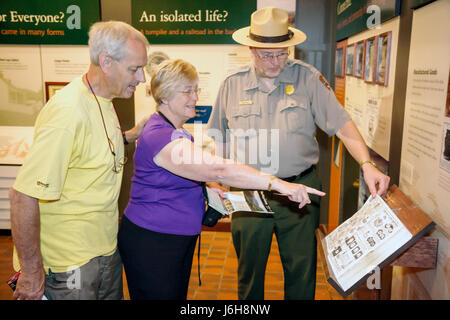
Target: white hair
column 110, row 37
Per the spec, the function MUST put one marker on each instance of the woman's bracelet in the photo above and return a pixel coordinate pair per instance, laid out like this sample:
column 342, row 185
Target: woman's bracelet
column 269, row 188
column 368, row 161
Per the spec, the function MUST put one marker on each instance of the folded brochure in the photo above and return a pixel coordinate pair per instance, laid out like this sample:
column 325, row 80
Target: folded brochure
column 247, row 201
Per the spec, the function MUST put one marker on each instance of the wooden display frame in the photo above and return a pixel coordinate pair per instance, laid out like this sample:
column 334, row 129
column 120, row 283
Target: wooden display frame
column 52, row 87
column 413, row 218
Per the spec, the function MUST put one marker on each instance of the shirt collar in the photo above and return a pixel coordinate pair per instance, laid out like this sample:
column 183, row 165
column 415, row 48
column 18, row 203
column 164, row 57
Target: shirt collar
column 252, row 80
column 286, row 76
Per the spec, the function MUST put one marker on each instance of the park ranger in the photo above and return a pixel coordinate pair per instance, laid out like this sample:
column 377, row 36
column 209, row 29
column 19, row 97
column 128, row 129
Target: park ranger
column 265, row 115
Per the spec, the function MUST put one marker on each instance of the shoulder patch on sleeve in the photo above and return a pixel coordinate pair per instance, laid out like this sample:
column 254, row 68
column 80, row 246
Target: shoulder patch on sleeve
column 324, row 82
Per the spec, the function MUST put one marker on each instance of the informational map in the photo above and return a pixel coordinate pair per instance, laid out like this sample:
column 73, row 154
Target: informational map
column 363, row 241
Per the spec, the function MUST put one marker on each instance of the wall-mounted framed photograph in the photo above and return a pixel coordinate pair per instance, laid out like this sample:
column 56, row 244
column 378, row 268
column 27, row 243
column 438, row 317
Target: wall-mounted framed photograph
column 447, row 105
column 52, row 87
column 349, row 59
column 369, row 60
column 359, row 59
column 383, row 53
column 339, row 63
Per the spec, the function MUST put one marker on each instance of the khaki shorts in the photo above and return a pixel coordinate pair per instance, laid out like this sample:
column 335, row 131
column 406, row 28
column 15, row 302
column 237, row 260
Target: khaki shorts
column 99, row 279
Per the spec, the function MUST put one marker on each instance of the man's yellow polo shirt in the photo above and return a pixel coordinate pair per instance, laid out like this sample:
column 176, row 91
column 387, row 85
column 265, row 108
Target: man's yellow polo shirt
column 69, row 169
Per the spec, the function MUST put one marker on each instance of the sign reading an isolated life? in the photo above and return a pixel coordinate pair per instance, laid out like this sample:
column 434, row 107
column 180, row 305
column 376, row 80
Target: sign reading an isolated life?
column 199, row 22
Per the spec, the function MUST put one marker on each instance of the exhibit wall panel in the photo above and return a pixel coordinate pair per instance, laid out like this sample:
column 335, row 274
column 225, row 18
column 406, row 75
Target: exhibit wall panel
column 425, row 160
column 369, row 83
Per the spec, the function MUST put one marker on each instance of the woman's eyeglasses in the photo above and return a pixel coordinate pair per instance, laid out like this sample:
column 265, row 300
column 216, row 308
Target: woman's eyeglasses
column 191, row 92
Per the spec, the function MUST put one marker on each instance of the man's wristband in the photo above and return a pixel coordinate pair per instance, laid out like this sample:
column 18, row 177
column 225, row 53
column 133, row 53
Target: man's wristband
column 125, row 141
column 368, row 161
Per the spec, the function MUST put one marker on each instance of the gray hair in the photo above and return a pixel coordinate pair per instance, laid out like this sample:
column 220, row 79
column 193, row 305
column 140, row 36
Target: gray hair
column 110, row 37
column 168, row 76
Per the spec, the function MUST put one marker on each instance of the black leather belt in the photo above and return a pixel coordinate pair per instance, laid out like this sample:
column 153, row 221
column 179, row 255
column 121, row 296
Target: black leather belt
column 304, row 173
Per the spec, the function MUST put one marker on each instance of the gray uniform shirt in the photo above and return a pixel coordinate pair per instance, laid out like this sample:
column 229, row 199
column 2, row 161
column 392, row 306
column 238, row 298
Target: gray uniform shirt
column 274, row 130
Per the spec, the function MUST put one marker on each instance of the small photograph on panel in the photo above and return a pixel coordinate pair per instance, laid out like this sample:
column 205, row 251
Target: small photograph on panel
column 382, row 71
column 447, row 103
column 359, row 59
column 339, row 63
column 349, row 60
column 369, row 60
column 445, row 153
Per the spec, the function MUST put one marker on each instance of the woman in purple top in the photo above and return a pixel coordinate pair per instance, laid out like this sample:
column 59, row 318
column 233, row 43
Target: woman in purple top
column 162, row 221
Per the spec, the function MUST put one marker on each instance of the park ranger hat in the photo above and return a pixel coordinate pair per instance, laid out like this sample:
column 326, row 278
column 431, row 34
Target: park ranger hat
column 269, row 29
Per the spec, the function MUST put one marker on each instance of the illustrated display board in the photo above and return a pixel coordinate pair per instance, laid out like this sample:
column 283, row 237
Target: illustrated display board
column 425, row 162
column 29, row 75
column 22, row 98
column 370, row 61
column 47, row 22
column 372, row 238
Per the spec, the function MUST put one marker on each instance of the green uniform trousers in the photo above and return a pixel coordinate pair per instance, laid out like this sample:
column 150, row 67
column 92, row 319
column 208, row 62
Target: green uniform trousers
column 295, row 232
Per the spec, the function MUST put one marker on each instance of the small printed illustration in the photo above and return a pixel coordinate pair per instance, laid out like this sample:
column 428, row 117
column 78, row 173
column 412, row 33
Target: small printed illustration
column 445, row 153
column 359, row 59
column 349, row 60
column 369, row 60
column 339, row 64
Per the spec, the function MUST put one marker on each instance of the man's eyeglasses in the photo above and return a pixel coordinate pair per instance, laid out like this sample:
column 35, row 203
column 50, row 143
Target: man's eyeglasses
column 271, row 56
column 191, row 92
column 118, row 165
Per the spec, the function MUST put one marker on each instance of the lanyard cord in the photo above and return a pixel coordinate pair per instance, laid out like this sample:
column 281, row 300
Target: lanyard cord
column 167, row 120
column 101, row 114
column 110, row 143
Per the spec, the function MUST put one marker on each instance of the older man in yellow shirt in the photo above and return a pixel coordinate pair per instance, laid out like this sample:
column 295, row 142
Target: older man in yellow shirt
column 64, row 210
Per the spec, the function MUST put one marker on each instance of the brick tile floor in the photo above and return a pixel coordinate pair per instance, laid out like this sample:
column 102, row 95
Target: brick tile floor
column 218, row 268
